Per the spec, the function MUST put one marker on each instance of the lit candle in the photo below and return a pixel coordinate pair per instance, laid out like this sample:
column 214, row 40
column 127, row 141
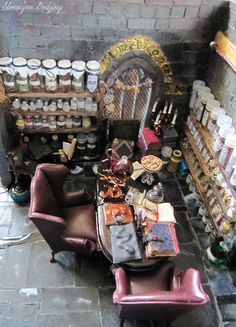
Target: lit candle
column 174, row 118
column 170, row 107
column 165, row 108
column 155, row 105
column 158, row 117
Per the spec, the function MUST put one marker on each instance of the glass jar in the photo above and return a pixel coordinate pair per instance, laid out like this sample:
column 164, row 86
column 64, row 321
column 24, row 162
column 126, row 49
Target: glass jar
column 81, row 143
column 86, row 122
column 37, row 122
column 24, row 105
column 59, row 104
column 20, row 123
column 219, row 138
column 88, row 104
column 53, row 106
column 55, row 144
column 45, row 106
column 78, row 69
column 92, row 72
column 50, row 75
column 21, row 69
column 200, row 89
column 39, row 104
column 16, row 103
column 52, row 124
column 203, row 98
column 61, row 122
column 28, row 122
column 94, row 106
column 91, row 144
column 230, row 143
column 66, row 106
column 196, row 85
column 73, row 104
column 8, row 73
column 32, row 106
column 81, row 104
column 35, row 79
column 69, row 122
column 64, row 75
column 210, row 105
column 45, row 122
column 76, row 121
column 216, row 112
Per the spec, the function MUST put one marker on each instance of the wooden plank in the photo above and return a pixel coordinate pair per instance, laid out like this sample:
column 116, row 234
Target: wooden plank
column 53, row 95
column 52, row 113
column 58, row 131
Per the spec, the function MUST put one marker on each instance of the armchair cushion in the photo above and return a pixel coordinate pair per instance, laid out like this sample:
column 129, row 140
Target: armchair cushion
column 80, row 222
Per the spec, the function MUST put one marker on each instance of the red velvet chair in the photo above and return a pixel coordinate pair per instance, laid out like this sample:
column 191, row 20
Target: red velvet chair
column 162, row 294
column 65, row 220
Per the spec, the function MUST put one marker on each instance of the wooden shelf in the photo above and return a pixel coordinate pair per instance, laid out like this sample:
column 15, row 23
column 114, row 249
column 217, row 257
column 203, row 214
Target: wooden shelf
column 52, row 113
column 58, row 131
column 56, row 95
column 196, row 151
column 225, row 49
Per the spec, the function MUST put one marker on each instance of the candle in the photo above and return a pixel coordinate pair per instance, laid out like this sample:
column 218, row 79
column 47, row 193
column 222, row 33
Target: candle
column 170, row 107
column 158, row 117
column 155, row 105
column 174, row 118
column 165, row 108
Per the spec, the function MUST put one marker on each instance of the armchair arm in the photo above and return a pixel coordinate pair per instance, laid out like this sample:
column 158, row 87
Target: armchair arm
column 121, row 284
column 80, row 242
column 44, row 216
column 75, row 198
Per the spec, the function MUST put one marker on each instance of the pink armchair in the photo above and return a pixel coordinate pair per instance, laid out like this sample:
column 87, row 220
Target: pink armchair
column 65, row 220
column 161, row 294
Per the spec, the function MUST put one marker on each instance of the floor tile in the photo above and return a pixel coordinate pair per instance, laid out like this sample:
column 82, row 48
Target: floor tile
column 227, row 305
column 20, row 296
column 183, row 229
column 18, row 315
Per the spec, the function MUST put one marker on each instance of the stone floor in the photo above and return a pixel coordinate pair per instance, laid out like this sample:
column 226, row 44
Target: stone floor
column 34, row 292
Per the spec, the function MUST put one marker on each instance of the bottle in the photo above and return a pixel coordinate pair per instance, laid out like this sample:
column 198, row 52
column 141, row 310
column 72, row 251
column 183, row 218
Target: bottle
column 55, row 144
column 73, row 104
column 174, row 161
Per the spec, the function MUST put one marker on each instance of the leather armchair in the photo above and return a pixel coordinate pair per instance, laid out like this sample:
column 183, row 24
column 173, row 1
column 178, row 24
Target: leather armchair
column 161, row 294
column 65, row 220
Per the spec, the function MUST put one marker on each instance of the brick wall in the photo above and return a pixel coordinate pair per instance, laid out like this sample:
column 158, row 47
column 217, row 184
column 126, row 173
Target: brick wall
column 86, row 29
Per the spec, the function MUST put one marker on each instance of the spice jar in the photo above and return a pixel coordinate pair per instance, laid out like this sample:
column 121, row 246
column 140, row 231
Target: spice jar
column 230, row 143
column 174, row 161
column 45, row 106
column 222, row 120
column 216, row 112
column 52, row 124
column 88, row 104
column 21, row 74
column 50, row 75
column 81, row 104
column 73, row 104
column 45, row 123
column 55, row 144
column 53, row 106
column 195, row 87
column 210, row 104
column 76, row 121
column 81, row 143
column 91, row 143
column 24, row 106
column 203, row 98
column 61, row 122
column 219, row 139
column 28, row 122
column 92, row 70
column 69, row 122
column 39, row 104
column 86, row 122
column 59, row 104
column 20, row 122
column 200, row 90
column 37, row 122
column 32, row 106
column 78, row 69
column 35, row 80
column 8, row 73
column 66, row 106
column 94, row 106
column 64, row 75
column 16, row 103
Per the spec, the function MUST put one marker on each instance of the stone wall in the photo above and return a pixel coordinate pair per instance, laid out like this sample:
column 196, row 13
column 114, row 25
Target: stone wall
column 86, row 29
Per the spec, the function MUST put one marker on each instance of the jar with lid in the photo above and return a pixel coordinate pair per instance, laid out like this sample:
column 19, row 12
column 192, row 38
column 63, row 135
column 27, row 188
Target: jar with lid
column 69, row 122
column 221, row 120
column 230, row 164
column 61, row 122
column 230, row 143
column 35, row 78
column 219, row 139
column 81, row 143
column 66, row 106
column 81, row 104
column 195, row 86
column 215, row 113
column 45, row 123
column 76, row 121
column 24, row 105
column 21, row 69
column 210, row 104
column 92, row 73
column 174, row 161
column 28, row 122
column 55, row 144
column 78, row 69
column 203, row 98
column 59, row 104
column 39, row 104
column 88, row 104
column 64, row 75
column 16, row 103
column 50, row 71
column 94, row 106
column 37, row 122
column 52, row 124
column 45, row 106
column 91, row 143
column 86, row 122
column 70, row 138
column 200, row 90
column 32, row 106
column 20, row 122
column 53, row 106
column 8, row 73
column 73, row 104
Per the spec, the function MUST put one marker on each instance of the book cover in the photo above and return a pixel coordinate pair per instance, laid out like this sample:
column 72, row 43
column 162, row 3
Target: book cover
column 117, row 213
column 149, row 140
column 162, row 240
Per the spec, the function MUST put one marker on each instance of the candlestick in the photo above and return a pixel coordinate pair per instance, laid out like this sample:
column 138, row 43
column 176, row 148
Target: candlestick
column 174, row 118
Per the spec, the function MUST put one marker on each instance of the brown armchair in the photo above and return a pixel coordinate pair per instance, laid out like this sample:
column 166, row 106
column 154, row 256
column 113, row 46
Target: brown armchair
column 65, row 220
column 161, row 294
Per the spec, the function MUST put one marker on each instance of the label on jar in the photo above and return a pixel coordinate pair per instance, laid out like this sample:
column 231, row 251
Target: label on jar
column 77, row 84
column 9, row 83
column 51, row 83
column 91, row 146
column 65, row 82
column 199, row 113
column 225, row 155
column 204, row 118
column 92, row 82
column 34, row 83
column 21, row 82
column 217, row 146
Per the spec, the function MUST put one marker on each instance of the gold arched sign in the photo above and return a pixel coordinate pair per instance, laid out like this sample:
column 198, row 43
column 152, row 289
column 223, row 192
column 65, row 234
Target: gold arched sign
column 148, row 46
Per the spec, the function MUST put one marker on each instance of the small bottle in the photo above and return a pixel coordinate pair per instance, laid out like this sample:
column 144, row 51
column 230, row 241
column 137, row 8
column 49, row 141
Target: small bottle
column 53, row 106
column 45, row 123
column 61, row 122
column 37, row 122
column 28, row 122
column 32, row 106
column 88, row 105
column 24, row 106
column 59, row 104
column 66, row 106
column 55, row 144
column 52, row 124
column 73, row 104
column 45, row 106
column 16, row 104
column 20, row 122
column 69, row 122
column 39, row 104
column 76, row 121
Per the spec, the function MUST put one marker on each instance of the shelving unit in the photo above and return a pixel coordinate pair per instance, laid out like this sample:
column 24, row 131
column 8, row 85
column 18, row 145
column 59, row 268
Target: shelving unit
column 53, row 113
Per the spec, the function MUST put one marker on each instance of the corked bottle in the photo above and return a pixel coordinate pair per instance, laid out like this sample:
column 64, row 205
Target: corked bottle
column 174, row 161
